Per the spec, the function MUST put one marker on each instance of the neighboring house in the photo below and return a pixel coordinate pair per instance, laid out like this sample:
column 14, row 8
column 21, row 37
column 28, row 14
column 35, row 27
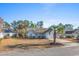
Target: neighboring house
column 40, row 33
column 8, row 32
column 68, row 31
column 36, row 33
column 76, row 33
column 68, row 34
column 31, row 33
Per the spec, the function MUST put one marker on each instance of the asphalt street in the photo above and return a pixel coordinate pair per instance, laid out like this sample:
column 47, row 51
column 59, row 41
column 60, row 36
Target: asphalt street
column 57, row 51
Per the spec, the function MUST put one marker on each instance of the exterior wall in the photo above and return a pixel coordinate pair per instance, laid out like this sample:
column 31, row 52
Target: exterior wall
column 38, row 35
column 76, row 35
column 1, row 35
column 4, row 34
column 49, row 35
column 65, row 35
column 31, row 34
column 10, row 34
column 68, row 28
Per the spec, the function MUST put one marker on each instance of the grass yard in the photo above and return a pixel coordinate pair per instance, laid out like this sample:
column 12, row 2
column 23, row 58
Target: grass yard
column 9, row 44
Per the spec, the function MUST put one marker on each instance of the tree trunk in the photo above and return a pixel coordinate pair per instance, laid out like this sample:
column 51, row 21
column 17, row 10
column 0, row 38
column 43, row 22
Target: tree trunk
column 54, row 35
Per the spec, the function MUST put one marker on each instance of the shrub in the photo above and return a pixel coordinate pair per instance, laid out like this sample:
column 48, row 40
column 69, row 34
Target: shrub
column 69, row 36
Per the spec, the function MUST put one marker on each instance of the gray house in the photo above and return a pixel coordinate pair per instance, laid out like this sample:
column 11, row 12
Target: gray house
column 76, row 33
column 40, row 33
column 68, row 34
column 68, row 31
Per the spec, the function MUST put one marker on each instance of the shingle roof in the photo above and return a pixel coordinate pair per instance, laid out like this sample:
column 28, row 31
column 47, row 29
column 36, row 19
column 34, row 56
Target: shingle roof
column 37, row 30
column 41, row 30
column 8, row 31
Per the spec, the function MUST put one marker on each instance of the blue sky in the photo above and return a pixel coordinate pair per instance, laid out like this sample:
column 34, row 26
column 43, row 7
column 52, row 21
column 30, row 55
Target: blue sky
column 49, row 13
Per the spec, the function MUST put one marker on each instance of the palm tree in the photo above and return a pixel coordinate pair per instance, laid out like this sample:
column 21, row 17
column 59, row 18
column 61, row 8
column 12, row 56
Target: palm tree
column 54, row 28
column 60, row 29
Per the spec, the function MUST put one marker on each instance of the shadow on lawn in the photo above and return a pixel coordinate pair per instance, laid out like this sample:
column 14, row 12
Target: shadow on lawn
column 26, row 46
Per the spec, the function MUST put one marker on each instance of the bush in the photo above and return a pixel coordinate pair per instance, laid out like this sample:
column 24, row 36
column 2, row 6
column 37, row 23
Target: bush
column 77, row 37
column 6, row 36
column 69, row 36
